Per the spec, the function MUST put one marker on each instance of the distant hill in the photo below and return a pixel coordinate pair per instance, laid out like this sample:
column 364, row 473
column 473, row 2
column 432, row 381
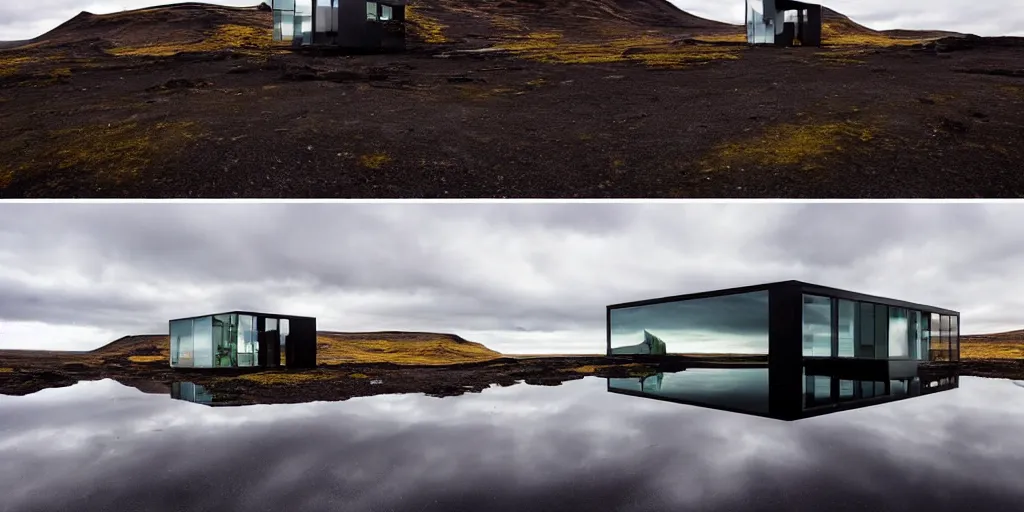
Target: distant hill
column 332, row 348
column 999, row 337
column 203, row 27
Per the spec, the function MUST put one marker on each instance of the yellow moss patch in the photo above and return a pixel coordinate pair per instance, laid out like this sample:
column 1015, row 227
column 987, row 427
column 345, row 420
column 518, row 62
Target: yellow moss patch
column 359, row 376
column 723, row 38
column 6, row 177
column 10, row 65
column 374, row 160
column 239, row 37
column 651, row 50
column 416, row 351
column 116, row 151
column 507, row 24
column 790, row 144
column 845, row 34
column 271, row 378
column 6, row 370
column 423, row 27
column 146, row 359
column 981, row 350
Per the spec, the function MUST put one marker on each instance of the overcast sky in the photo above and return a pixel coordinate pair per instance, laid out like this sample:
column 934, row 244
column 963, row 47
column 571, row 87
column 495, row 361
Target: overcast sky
column 24, row 20
column 521, row 278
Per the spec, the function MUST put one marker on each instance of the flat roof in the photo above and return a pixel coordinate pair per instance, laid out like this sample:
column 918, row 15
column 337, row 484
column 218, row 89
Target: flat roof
column 808, row 288
column 251, row 313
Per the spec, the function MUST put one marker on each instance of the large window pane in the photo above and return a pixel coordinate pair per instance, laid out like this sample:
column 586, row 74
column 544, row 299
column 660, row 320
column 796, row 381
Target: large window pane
column 938, row 349
column 847, row 327
column 881, row 331
column 926, row 336
column 866, row 330
column 898, row 333
column 731, row 324
column 247, row 345
column 954, row 338
column 181, row 342
column 202, row 339
column 283, row 332
column 914, row 335
column 817, row 326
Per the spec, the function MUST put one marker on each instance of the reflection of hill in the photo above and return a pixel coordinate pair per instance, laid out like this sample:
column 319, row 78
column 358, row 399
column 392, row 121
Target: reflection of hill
column 651, row 345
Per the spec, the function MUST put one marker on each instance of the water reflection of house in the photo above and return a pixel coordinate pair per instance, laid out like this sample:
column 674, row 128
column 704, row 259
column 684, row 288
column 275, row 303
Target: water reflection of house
column 191, row 392
column 341, row 23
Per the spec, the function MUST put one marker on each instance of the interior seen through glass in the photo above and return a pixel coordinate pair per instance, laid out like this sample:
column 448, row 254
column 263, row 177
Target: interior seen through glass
column 225, row 341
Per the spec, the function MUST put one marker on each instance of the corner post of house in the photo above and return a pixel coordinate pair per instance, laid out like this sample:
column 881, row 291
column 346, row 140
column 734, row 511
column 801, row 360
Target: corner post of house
column 785, row 356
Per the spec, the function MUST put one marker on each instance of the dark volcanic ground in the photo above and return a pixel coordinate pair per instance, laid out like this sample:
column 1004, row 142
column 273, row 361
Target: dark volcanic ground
column 849, row 121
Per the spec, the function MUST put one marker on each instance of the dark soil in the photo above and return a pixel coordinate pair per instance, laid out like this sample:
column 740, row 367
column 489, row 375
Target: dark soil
column 36, row 371
column 941, row 120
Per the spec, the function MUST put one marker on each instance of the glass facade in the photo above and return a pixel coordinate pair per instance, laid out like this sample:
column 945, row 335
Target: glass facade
column 728, row 324
column 233, row 340
column 875, row 331
column 760, row 28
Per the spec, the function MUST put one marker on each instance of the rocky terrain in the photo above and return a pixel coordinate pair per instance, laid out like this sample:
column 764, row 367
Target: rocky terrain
column 507, row 98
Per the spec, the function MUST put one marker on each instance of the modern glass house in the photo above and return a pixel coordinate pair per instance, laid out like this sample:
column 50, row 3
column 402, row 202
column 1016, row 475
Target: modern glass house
column 789, row 349
column 340, row 23
column 243, row 339
column 783, row 23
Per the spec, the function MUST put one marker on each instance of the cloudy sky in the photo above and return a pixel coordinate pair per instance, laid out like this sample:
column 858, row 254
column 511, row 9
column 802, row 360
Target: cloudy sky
column 24, row 20
column 521, row 278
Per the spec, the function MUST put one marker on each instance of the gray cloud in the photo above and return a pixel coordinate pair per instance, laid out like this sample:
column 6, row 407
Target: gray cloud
column 513, row 271
column 24, row 20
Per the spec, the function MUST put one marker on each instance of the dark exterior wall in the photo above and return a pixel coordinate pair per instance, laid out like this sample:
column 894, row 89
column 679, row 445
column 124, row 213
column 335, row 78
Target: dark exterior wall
column 811, row 34
column 785, row 351
column 301, row 343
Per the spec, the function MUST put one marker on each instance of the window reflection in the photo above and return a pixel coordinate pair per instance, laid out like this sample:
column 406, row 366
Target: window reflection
column 817, row 326
column 730, row 324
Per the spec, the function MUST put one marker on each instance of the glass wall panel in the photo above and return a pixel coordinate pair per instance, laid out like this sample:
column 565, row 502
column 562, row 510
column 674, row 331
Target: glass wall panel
column 847, row 327
column 202, row 339
column 899, row 333
column 247, row 343
column 323, row 16
column 939, row 344
column 865, row 330
column 817, row 326
column 881, row 331
column 304, row 20
column 181, row 342
column 954, row 338
column 926, row 336
column 730, row 324
column 914, row 335
column 760, row 28
column 385, row 12
column 225, row 337
column 283, row 332
column 371, row 11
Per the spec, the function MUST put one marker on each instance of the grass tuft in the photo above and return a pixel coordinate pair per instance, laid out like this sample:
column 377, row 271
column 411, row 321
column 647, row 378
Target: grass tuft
column 6, row 370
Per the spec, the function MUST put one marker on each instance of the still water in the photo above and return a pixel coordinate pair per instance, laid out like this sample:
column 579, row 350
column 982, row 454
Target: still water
column 103, row 446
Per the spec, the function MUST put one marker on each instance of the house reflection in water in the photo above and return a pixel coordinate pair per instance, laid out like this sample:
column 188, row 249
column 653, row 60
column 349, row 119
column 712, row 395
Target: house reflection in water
column 191, row 392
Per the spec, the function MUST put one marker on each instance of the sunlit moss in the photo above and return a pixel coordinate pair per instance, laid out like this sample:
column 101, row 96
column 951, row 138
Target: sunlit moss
column 651, row 50
column 146, row 359
column 790, row 144
column 359, row 376
column 423, row 27
column 6, row 370
column 11, row 65
column 275, row 378
column 239, row 37
column 843, row 33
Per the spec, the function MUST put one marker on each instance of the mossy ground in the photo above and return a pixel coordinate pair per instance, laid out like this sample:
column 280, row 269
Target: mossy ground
column 147, row 359
column 430, row 351
column 6, row 370
column 424, row 27
column 981, row 350
column 279, row 378
column 802, row 145
column 651, row 50
column 255, row 40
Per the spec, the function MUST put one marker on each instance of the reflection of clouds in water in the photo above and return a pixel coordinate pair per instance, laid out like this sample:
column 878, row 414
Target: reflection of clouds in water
column 524, row 447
